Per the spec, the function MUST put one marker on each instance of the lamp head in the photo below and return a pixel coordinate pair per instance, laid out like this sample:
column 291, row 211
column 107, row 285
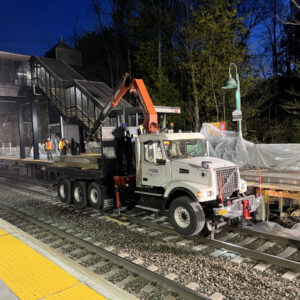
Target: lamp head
column 230, row 83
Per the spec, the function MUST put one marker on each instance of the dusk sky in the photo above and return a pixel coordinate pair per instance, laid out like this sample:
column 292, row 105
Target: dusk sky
column 32, row 27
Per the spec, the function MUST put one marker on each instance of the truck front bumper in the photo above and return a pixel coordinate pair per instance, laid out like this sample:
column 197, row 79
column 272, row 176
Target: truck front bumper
column 237, row 207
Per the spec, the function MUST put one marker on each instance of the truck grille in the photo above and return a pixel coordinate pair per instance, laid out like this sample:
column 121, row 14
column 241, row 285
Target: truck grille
column 230, row 180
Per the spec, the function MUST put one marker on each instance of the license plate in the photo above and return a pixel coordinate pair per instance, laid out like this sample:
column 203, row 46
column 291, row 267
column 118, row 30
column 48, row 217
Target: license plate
column 223, row 212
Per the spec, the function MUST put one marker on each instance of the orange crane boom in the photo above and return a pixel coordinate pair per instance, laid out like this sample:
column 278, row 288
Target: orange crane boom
column 139, row 90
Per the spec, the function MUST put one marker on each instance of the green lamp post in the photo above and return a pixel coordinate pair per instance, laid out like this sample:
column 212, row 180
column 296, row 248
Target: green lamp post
column 231, row 83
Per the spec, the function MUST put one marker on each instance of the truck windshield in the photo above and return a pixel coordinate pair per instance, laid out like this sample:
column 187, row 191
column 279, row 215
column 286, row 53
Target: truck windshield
column 176, row 149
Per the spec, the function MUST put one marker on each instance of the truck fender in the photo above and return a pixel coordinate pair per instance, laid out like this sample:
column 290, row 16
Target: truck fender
column 182, row 187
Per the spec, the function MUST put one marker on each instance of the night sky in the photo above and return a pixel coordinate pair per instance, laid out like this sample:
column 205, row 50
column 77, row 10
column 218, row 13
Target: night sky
column 32, row 27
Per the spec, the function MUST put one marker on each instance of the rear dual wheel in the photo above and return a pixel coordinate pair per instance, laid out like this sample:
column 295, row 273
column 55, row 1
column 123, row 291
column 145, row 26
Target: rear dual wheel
column 64, row 190
column 95, row 195
column 79, row 193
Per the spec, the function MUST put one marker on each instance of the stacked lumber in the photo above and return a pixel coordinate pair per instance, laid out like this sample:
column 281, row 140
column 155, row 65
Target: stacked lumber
column 82, row 161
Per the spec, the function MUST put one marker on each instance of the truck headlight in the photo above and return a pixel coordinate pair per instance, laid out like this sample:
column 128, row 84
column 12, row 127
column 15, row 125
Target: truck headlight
column 243, row 188
column 204, row 194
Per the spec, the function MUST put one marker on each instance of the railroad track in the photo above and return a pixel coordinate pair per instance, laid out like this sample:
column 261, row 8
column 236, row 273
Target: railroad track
column 149, row 223
column 200, row 243
column 88, row 253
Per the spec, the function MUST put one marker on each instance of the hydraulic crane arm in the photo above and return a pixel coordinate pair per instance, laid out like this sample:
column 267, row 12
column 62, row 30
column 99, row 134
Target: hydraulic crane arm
column 138, row 88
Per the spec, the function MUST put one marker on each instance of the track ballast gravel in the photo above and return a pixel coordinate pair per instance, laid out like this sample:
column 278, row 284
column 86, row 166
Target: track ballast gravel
column 212, row 274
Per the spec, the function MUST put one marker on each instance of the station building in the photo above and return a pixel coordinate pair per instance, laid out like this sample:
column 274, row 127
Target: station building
column 43, row 97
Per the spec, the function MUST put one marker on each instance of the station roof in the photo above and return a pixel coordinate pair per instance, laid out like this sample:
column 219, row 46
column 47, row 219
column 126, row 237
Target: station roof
column 14, row 56
column 100, row 91
column 58, row 68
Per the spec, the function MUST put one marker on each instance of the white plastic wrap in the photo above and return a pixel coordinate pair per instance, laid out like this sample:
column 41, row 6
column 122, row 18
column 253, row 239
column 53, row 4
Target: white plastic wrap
column 230, row 146
column 274, row 228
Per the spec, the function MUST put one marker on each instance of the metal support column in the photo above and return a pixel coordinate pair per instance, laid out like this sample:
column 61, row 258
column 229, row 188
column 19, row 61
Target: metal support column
column 21, row 130
column 61, row 127
column 81, row 140
column 35, row 133
column 123, row 116
column 165, row 121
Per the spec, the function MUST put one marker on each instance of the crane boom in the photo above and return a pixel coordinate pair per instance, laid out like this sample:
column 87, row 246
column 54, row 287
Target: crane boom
column 139, row 90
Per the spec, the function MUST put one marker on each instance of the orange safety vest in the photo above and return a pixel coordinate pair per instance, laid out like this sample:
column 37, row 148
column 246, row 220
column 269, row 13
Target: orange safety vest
column 48, row 145
column 61, row 145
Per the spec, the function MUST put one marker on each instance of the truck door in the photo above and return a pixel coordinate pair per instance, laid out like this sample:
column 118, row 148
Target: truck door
column 153, row 164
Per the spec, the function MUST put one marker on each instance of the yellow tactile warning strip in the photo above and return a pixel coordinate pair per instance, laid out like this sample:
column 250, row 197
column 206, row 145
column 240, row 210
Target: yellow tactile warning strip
column 80, row 291
column 32, row 276
column 2, row 232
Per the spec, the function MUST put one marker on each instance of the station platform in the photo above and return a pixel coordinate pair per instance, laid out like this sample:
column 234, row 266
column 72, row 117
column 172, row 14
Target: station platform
column 31, row 270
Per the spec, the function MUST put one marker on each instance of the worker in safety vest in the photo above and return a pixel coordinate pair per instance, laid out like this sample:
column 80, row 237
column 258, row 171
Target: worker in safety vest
column 49, row 148
column 62, row 146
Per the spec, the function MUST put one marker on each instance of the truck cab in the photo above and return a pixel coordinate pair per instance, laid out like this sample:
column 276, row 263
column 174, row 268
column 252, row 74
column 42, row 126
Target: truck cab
column 175, row 173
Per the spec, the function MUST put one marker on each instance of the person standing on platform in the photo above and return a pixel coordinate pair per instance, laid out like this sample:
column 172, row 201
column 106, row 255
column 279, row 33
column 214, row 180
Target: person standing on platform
column 61, row 146
column 49, row 148
column 65, row 146
column 73, row 146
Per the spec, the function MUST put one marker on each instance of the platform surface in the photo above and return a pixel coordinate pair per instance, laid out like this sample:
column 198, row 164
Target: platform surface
column 26, row 160
column 26, row 274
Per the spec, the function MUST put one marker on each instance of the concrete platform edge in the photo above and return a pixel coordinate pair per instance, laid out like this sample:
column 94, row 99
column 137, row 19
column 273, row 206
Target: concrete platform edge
column 97, row 283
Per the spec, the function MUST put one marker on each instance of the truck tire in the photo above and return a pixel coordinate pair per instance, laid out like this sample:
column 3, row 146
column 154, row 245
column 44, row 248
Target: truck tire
column 95, row 195
column 64, row 190
column 186, row 216
column 80, row 194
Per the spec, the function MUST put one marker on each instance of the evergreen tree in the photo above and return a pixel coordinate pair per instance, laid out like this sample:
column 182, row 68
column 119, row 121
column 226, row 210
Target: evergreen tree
column 213, row 38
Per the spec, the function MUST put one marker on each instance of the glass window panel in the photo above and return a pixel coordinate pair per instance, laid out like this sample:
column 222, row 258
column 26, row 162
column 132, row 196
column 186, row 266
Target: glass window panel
column 84, row 104
column 42, row 75
column 91, row 109
column 78, row 98
column 130, row 120
column 48, row 80
column 97, row 112
column 18, row 74
column 72, row 95
column 1, row 70
column 7, row 70
column 27, row 71
column 113, row 121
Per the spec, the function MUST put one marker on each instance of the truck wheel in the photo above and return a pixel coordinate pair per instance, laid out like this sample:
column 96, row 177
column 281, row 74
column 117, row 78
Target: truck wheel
column 94, row 195
column 79, row 194
column 186, row 216
column 64, row 190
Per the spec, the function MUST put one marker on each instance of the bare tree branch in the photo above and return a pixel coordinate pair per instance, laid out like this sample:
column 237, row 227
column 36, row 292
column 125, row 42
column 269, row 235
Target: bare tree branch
column 297, row 23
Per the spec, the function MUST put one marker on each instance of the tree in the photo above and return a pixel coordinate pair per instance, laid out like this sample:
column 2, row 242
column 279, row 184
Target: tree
column 213, row 38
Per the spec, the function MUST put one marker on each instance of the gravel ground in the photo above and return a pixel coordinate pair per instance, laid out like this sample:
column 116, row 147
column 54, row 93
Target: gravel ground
column 276, row 249
column 295, row 256
column 212, row 274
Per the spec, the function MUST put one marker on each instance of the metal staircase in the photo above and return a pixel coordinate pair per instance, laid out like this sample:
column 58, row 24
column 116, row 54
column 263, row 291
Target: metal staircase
column 77, row 100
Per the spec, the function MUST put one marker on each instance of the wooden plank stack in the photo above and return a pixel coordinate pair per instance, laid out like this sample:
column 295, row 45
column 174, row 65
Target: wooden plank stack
column 82, row 161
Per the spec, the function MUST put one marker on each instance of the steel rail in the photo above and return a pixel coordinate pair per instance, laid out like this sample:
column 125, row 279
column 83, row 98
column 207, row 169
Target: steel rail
column 257, row 255
column 263, row 235
column 173, row 286
column 27, row 189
